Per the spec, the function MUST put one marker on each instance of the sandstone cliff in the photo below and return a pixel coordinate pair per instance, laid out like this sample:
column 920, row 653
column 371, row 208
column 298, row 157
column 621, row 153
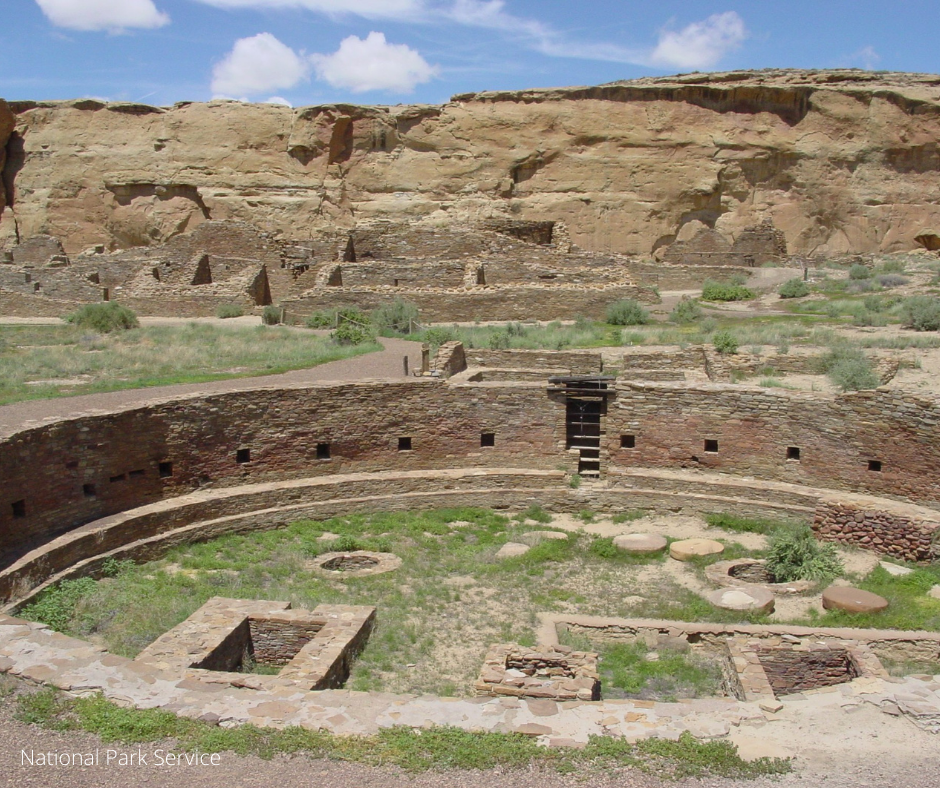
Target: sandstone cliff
column 840, row 161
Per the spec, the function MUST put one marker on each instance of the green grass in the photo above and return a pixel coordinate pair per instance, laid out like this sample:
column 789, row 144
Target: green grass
column 49, row 361
column 750, row 525
column 450, row 593
column 909, row 607
column 627, row 671
column 415, row 751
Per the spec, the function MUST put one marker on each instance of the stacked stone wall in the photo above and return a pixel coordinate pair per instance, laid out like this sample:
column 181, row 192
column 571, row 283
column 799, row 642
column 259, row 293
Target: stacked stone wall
column 61, row 475
column 559, row 302
column 878, row 442
column 75, row 471
column 904, row 536
column 576, row 362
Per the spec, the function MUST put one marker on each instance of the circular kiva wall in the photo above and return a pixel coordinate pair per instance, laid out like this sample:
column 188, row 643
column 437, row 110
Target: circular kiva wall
column 863, row 466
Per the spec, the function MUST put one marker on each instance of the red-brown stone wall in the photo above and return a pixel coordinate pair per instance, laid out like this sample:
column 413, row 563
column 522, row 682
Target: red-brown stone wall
column 837, row 437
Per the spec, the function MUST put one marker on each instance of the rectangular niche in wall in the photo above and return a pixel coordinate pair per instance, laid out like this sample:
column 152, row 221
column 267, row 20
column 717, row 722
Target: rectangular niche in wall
column 487, row 439
column 89, row 490
column 793, row 453
column 711, row 446
column 19, row 508
column 404, row 444
column 628, row 441
column 874, row 465
column 242, row 456
column 323, row 451
column 165, row 469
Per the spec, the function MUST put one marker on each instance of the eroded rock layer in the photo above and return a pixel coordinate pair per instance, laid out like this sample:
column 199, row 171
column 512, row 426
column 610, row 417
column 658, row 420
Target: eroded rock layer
column 840, row 161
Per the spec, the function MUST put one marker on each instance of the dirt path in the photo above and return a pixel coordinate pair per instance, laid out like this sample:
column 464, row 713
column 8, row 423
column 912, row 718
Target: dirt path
column 824, row 764
column 382, row 365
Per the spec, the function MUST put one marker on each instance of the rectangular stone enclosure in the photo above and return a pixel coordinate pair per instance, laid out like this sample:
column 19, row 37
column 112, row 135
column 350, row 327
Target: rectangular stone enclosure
column 228, row 638
column 553, row 672
column 774, row 667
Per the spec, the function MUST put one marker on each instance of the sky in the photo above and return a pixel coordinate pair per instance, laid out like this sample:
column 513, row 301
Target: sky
column 303, row 52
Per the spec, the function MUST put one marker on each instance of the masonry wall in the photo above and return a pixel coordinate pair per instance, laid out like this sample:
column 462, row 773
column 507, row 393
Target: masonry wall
column 75, row 471
column 837, row 437
column 56, row 477
column 486, row 303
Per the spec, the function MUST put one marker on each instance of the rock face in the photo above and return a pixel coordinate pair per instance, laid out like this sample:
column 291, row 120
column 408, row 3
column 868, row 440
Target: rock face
column 840, row 161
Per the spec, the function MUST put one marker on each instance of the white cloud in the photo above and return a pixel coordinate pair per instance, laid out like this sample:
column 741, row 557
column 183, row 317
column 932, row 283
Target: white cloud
column 373, row 64
column 279, row 100
column 112, row 15
column 258, row 64
column 866, row 58
column 371, row 9
column 701, row 44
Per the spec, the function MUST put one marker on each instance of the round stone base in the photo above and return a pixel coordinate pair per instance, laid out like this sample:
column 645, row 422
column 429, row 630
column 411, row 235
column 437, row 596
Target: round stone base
column 693, row 548
column 852, row 600
column 356, row 563
column 640, row 544
column 750, row 600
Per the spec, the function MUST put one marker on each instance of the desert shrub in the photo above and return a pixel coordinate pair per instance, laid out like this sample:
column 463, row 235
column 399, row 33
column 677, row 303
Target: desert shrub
column 713, row 290
column 352, row 334
column 793, row 288
column 397, row 316
column 892, row 280
column 104, row 318
column 891, row 267
column 859, row 271
column 922, row 313
column 229, row 310
column 499, row 340
column 438, row 335
column 725, row 342
column 627, row 312
column 796, row 555
column 271, row 316
column 849, row 369
column 688, row 310
column 324, row 319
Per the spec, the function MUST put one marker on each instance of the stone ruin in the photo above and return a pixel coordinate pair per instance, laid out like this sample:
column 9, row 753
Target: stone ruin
column 226, row 638
column 552, row 672
column 499, row 270
column 699, row 244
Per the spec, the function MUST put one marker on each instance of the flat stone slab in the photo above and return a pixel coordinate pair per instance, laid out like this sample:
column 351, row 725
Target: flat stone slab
column 934, row 592
column 512, row 550
column 640, row 544
column 693, row 548
column 852, row 600
column 895, row 569
column 756, row 600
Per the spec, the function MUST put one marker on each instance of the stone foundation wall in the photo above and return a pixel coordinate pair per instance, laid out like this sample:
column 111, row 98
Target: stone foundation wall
column 790, row 671
column 577, row 363
column 276, row 640
column 560, row 302
column 904, row 536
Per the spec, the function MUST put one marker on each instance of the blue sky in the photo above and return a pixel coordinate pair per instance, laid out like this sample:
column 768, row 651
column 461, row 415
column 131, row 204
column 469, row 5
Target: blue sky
column 403, row 51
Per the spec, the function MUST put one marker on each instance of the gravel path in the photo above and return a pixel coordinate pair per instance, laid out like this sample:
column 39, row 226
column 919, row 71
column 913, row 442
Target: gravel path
column 382, row 365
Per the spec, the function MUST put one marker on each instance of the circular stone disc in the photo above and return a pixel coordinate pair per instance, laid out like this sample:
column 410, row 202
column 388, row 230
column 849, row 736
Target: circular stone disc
column 512, row 549
column 690, row 548
column 640, row 544
column 758, row 600
column 852, row 600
